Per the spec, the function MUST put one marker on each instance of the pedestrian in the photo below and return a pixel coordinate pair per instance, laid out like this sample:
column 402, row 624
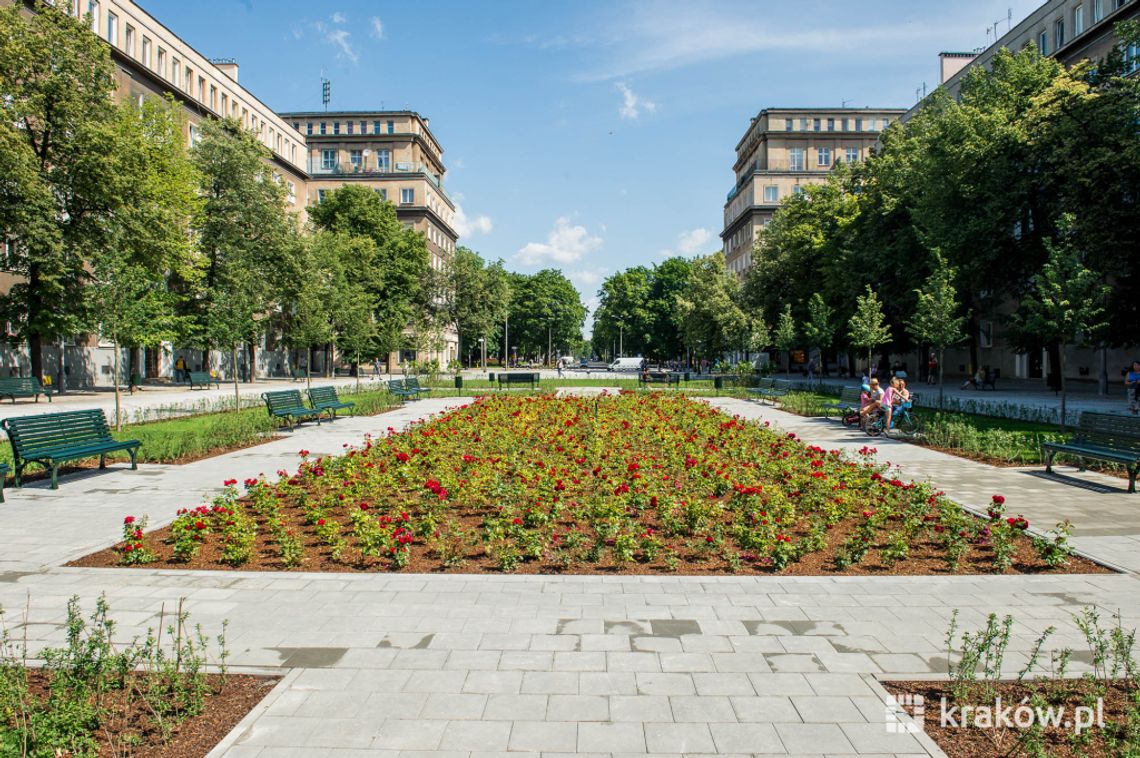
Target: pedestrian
column 810, row 369
column 376, row 368
column 1132, row 382
column 932, row 369
column 180, row 369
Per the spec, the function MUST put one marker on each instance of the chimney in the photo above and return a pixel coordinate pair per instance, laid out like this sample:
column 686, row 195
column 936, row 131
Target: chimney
column 228, row 66
column 950, row 64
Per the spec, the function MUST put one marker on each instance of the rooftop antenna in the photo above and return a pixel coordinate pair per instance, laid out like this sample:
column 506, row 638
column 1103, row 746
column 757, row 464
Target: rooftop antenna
column 843, row 103
column 326, row 92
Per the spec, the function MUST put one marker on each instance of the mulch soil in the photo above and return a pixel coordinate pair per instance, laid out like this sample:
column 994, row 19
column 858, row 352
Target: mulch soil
column 695, row 558
column 232, row 698
column 1057, row 741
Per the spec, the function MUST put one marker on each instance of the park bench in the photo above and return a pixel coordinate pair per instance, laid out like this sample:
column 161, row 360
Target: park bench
column 770, row 389
column 518, row 378
column 325, row 399
column 50, row 439
column 659, row 377
column 1104, row 437
column 400, row 389
column 23, row 386
column 287, row 405
column 849, row 400
column 202, row 379
column 413, row 385
column 990, row 379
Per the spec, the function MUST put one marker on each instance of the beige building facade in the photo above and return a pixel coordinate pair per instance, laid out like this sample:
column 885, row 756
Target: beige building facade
column 393, row 151
column 784, row 150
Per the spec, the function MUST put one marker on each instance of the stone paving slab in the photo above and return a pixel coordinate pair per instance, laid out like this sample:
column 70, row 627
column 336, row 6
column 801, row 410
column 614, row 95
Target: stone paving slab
column 472, row 665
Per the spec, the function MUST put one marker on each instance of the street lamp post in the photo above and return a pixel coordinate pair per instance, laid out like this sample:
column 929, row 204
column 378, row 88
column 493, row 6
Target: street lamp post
column 483, row 352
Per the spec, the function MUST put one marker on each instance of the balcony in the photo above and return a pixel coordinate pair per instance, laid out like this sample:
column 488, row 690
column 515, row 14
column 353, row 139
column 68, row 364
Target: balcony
column 317, row 167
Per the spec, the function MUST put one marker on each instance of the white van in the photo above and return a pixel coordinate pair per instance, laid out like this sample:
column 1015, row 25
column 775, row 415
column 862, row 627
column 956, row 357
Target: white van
column 627, row 364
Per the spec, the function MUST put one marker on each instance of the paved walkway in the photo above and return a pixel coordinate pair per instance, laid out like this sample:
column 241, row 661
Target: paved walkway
column 483, row 665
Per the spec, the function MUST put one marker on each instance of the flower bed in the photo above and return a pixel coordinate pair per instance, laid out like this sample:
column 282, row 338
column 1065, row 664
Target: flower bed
column 636, row 483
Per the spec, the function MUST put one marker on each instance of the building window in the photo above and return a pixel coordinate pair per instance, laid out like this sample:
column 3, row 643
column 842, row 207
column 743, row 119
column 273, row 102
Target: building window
column 796, row 159
column 356, row 158
column 202, row 89
column 292, row 192
column 176, row 71
column 797, row 190
column 364, row 127
column 391, row 127
column 130, row 40
column 815, row 124
column 309, row 128
column 162, row 62
column 383, row 193
column 1097, row 10
column 1078, row 19
column 858, row 124
column 852, row 155
column 93, row 12
column 193, row 135
column 328, row 160
column 831, row 125
column 214, row 98
column 320, row 196
column 225, row 103
column 336, row 127
column 803, row 124
column 771, row 194
column 407, row 196
column 1043, row 43
column 823, row 158
column 112, row 28
column 384, row 160
column 1118, row 4
column 1058, row 34
column 1132, row 59
column 146, row 52
column 348, row 126
column 788, row 124
column 843, row 125
column 324, row 128
column 375, row 127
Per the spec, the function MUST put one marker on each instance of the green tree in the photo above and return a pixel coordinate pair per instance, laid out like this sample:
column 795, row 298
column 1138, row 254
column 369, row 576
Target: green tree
column 398, row 274
column 1065, row 306
column 668, row 279
column 819, row 329
column 868, row 328
column 246, row 238
column 478, row 297
column 59, row 140
column 546, row 313
column 937, row 320
column 711, row 321
column 624, row 316
column 784, row 336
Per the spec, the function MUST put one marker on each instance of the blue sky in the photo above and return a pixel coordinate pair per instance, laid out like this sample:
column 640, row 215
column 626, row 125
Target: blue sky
column 588, row 136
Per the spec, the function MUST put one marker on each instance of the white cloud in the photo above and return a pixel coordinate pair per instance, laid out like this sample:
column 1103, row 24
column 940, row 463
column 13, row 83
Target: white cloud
column 633, row 104
column 467, row 227
column 691, row 242
column 339, row 18
column 341, row 39
column 564, row 244
column 587, row 278
column 377, row 28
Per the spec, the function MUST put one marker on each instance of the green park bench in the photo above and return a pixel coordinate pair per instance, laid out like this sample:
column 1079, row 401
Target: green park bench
column 398, row 388
column 849, row 400
column 1103, row 437
column 413, row 385
column 288, row 406
column 770, row 389
column 667, row 378
column 23, row 386
column 518, row 378
column 50, row 439
column 202, row 379
column 325, row 399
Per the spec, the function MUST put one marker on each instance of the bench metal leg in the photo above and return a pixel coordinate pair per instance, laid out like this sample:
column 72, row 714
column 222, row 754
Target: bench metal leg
column 55, row 476
column 1132, row 472
column 134, row 459
column 1049, row 462
column 103, row 461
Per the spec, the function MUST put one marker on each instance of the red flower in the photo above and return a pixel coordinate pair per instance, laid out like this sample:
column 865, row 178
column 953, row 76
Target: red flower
column 998, row 500
column 129, row 520
column 229, row 482
column 517, row 521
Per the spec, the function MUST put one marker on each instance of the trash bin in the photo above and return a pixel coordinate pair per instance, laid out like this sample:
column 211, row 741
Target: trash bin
column 718, row 383
column 458, row 382
column 491, row 377
column 686, row 377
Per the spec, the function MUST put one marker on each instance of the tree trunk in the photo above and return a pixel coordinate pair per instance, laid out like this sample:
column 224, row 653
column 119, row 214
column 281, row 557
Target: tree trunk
column 252, row 361
column 118, row 393
column 941, row 368
column 237, row 386
column 35, row 349
column 309, row 375
column 1061, row 379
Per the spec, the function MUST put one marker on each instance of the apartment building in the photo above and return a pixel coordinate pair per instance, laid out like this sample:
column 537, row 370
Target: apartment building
column 1069, row 30
column 395, row 152
column 784, row 150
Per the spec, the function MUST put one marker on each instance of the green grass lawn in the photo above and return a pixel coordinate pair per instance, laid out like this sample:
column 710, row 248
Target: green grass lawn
column 193, row 437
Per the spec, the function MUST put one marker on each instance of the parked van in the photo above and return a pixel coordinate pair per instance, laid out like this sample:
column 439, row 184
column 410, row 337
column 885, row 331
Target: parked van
column 627, row 364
